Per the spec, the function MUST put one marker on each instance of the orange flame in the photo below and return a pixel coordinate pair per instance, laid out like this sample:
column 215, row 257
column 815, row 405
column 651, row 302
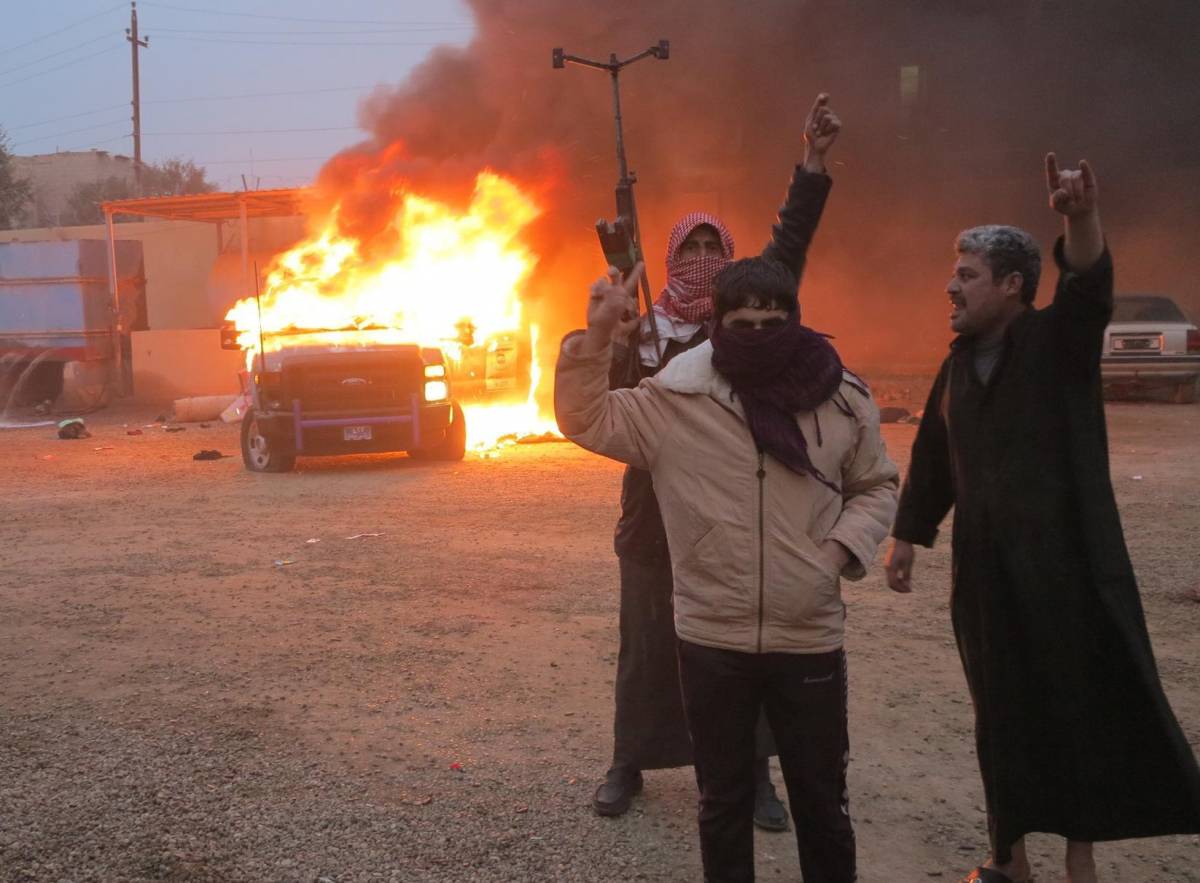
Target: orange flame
column 454, row 281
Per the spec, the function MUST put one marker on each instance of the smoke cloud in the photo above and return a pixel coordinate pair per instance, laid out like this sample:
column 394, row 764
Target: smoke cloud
column 947, row 107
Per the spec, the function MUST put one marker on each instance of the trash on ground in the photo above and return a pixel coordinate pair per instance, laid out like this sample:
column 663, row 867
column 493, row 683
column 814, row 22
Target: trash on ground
column 892, row 414
column 283, row 562
column 133, row 432
column 73, row 427
column 359, row 536
column 104, row 448
column 174, row 429
column 1137, row 478
column 311, row 541
column 209, row 454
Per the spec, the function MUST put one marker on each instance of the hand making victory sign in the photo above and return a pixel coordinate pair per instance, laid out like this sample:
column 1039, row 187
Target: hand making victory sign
column 612, row 308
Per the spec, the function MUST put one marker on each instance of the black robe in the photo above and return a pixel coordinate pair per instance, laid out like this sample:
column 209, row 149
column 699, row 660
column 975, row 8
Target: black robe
column 1073, row 731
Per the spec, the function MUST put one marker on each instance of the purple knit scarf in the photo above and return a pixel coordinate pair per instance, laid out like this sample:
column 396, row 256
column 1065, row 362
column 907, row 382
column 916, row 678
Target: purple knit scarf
column 776, row 373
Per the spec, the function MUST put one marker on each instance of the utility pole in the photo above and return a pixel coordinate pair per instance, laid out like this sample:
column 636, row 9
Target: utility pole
column 131, row 34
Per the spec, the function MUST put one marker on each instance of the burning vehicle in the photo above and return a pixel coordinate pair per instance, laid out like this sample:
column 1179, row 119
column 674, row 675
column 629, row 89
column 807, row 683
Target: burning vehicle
column 401, row 342
column 329, row 398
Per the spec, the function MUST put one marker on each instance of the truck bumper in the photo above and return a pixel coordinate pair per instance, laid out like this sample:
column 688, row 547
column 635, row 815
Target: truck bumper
column 1150, row 370
column 328, row 434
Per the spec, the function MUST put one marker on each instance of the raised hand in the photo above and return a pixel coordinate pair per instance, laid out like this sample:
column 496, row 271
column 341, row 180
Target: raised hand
column 1073, row 194
column 612, row 307
column 1072, row 191
column 822, row 126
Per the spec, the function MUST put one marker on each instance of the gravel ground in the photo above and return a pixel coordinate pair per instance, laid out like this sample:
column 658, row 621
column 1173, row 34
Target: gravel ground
column 434, row 703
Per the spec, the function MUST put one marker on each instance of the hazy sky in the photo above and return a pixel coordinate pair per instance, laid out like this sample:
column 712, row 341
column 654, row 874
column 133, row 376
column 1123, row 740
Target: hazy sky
column 65, row 79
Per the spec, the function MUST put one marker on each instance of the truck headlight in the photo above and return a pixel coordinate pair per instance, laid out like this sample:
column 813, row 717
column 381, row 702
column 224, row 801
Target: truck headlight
column 436, row 390
column 435, row 370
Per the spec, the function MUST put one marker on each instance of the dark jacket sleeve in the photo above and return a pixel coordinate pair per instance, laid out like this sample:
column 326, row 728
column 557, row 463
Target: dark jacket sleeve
column 798, row 219
column 1082, row 308
column 928, row 491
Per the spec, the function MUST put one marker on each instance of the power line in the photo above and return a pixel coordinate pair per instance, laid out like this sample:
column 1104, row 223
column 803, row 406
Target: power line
column 20, row 67
column 256, row 160
column 320, row 32
column 293, row 42
column 258, row 131
column 60, row 67
column 320, row 21
column 258, row 95
column 93, row 144
column 192, row 99
column 70, row 132
column 46, row 36
column 70, row 116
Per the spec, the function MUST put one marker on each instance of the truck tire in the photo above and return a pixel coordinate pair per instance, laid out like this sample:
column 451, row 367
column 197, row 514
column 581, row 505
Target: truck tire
column 453, row 445
column 256, row 451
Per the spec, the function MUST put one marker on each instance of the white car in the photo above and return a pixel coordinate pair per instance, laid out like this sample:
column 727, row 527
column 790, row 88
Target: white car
column 1150, row 343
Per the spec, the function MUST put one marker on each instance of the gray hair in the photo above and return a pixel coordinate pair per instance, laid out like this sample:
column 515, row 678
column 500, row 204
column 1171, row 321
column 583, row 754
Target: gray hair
column 1006, row 250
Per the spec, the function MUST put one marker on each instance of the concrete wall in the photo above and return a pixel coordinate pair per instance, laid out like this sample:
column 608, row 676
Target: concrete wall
column 56, row 175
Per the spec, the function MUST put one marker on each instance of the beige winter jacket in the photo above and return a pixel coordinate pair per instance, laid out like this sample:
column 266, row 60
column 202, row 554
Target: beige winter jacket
column 743, row 529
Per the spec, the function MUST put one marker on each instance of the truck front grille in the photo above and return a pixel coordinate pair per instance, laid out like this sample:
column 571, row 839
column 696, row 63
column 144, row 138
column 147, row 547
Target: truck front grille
column 351, row 385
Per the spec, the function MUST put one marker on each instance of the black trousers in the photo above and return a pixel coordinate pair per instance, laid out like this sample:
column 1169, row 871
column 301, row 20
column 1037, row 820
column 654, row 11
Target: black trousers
column 804, row 696
column 650, row 730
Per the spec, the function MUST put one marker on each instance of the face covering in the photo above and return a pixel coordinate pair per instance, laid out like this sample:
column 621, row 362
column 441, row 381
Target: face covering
column 776, row 373
column 688, row 294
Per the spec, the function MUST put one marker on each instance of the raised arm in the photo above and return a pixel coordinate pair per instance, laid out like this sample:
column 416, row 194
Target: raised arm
column 1075, row 196
column 809, row 188
column 624, row 424
column 1083, row 297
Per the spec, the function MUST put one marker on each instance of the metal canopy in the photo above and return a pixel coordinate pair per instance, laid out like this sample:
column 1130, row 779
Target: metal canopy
column 214, row 207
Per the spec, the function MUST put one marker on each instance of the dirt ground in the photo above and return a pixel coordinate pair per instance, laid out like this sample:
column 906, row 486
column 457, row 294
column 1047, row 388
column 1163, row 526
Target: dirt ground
column 434, row 703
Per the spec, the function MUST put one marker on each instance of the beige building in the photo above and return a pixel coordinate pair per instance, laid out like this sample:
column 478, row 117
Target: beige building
column 55, row 176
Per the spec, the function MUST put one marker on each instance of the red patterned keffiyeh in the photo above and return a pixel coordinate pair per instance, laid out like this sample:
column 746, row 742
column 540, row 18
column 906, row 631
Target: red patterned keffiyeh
column 689, row 291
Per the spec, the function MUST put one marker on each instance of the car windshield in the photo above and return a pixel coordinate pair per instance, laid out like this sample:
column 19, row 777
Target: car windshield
column 1146, row 308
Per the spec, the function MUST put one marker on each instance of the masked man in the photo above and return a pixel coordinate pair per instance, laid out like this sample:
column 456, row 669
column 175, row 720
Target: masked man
column 649, row 729
column 773, row 483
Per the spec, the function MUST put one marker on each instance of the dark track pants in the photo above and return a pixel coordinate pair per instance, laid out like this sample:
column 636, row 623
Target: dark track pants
column 804, row 696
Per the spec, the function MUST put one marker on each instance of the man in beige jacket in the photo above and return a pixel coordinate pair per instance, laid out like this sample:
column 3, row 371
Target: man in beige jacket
column 773, row 482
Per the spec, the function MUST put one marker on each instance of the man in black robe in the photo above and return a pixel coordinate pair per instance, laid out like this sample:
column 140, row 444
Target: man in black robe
column 1073, row 732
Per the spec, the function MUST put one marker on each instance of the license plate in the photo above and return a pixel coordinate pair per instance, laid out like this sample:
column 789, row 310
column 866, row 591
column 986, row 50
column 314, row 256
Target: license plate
column 1135, row 343
column 356, row 433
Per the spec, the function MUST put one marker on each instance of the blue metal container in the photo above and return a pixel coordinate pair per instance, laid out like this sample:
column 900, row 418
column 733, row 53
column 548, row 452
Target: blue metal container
column 55, row 296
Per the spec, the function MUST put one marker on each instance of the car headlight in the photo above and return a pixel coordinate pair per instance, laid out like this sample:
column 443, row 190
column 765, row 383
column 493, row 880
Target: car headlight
column 436, row 390
column 435, row 370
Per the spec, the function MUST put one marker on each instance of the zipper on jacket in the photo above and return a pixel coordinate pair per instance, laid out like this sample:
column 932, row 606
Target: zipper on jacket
column 762, row 544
